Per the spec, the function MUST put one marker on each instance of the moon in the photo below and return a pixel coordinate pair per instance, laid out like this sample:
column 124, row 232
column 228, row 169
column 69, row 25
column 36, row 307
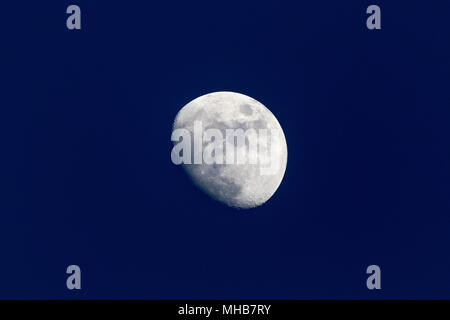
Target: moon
column 237, row 185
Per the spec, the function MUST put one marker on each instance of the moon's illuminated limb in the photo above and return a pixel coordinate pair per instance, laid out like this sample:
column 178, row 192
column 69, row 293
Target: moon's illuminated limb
column 237, row 185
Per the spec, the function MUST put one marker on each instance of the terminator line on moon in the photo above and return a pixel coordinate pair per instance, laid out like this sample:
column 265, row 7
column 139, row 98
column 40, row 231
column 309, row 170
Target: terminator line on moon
column 236, row 185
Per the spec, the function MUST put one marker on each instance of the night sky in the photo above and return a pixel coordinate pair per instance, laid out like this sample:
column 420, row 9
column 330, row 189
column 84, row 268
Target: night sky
column 87, row 177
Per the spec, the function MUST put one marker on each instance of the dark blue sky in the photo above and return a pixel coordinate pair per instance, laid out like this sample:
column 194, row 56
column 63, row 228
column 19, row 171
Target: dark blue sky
column 87, row 177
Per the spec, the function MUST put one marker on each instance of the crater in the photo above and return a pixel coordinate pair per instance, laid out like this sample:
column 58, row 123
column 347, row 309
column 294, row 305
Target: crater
column 246, row 109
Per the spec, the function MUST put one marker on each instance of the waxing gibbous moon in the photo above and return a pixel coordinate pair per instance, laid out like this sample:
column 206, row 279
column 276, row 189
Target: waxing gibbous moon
column 238, row 185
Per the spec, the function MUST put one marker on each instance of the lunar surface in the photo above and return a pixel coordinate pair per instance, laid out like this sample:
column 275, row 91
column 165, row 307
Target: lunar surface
column 238, row 185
